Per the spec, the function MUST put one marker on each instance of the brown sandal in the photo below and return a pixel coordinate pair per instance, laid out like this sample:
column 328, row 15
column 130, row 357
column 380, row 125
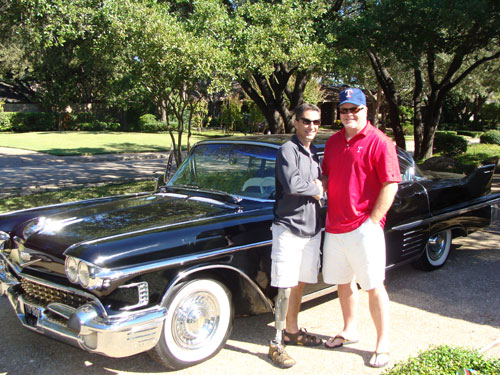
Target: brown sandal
column 301, row 338
column 279, row 357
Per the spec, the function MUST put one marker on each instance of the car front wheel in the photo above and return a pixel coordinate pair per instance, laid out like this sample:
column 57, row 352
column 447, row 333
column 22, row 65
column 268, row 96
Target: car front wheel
column 436, row 251
column 197, row 325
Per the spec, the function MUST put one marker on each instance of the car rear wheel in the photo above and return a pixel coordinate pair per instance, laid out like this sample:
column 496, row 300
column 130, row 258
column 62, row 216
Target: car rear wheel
column 198, row 323
column 436, row 251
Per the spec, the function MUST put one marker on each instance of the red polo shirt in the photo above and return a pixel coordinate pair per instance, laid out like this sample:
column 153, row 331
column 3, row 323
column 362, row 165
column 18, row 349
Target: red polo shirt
column 356, row 170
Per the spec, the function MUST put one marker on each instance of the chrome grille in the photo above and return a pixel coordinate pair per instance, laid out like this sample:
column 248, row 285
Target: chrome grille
column 43, row 295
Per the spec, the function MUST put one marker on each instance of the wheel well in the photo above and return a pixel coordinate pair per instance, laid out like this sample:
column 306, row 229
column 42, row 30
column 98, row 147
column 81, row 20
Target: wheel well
column 458, row 232
column 245, row 294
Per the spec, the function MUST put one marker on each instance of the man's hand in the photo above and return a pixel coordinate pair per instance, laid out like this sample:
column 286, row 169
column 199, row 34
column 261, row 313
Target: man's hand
column 319, row 184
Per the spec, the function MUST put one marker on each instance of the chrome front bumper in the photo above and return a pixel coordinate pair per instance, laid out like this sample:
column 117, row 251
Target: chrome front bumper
column 120, row 335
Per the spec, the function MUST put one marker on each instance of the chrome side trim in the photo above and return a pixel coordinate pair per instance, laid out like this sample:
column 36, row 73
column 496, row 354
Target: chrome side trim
column 185, row 273
column 445, row 216
column 117, row 273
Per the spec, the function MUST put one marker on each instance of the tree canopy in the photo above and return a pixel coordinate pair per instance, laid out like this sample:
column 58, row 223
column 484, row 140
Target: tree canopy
column 173, row 53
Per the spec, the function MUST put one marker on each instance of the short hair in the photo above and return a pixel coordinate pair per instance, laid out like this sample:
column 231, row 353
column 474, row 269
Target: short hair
column 299, row 111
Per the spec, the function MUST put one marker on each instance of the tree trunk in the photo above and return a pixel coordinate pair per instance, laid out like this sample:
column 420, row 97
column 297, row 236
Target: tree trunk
column 418, row 124
column 385, row 80
column 431, row 122
column 269, row 95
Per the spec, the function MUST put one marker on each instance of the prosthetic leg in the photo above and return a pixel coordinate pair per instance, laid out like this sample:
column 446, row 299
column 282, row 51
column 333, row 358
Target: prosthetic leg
column 280, row 311
column 277, row 352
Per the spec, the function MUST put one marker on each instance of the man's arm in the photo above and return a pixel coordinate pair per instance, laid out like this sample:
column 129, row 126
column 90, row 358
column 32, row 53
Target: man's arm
column 384, row 201
column 288, row 174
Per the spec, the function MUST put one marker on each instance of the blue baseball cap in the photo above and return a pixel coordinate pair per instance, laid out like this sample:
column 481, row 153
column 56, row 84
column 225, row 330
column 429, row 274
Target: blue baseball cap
column 353, row 96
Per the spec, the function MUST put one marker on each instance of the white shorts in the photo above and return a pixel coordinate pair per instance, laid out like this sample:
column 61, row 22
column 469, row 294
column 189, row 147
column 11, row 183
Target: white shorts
column 360, row 254
column 294, row 258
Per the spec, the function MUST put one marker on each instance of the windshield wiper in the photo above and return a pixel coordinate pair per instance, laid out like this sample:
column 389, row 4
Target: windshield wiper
column 228, row 197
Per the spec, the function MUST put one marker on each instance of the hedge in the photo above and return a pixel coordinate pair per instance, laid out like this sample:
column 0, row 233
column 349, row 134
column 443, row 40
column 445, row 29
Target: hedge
column 491, row 137
column 449, row 144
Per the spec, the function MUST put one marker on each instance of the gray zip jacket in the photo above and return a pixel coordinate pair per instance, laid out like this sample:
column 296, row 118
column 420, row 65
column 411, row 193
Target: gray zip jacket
column 295, row 208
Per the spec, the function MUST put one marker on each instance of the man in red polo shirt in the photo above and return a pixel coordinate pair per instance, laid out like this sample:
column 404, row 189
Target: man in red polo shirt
column 361, row 173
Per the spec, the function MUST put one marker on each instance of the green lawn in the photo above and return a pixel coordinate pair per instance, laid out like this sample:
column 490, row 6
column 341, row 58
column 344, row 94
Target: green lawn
column 87, row 143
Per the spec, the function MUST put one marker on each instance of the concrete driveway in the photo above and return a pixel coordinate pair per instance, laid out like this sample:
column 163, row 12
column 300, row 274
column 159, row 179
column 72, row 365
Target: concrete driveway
column 457, row 305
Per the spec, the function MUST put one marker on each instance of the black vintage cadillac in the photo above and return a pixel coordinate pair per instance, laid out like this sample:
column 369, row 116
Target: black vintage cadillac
column 166, row 272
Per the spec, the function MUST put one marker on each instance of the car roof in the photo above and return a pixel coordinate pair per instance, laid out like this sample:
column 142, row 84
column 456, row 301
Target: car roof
column 272, row 140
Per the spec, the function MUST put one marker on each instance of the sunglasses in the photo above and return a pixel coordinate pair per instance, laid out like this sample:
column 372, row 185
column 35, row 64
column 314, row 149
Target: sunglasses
column 306, row 121
column 354, row 110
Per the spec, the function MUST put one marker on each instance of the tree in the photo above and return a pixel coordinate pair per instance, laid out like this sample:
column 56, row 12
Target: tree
column 59, row 54
column 275, row 44
column 442, row 42
column 172, row 58
column 464, row 104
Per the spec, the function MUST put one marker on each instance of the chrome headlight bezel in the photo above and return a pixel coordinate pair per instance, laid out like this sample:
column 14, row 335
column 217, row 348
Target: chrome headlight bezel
column 71, row 269
column 4, row 237
column 83, row 273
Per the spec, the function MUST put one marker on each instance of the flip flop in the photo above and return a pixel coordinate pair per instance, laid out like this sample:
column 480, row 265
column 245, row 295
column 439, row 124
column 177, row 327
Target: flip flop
column 374, row 361
column 344, row 342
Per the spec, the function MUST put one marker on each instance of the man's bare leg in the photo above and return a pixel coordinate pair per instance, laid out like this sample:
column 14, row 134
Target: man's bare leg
column 294, row 303
column 348, row 297
column 378, row 300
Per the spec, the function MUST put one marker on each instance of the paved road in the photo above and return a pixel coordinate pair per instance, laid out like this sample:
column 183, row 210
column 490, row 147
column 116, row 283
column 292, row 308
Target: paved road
column 24, row 172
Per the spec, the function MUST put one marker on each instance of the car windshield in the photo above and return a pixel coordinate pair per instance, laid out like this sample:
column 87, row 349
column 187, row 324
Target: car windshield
column 235, row 168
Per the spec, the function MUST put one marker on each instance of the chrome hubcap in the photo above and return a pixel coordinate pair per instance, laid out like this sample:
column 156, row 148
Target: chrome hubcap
column 196, row 320
column 436, row 246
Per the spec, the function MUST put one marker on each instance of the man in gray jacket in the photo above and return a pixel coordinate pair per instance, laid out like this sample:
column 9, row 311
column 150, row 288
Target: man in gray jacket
column 296, row 232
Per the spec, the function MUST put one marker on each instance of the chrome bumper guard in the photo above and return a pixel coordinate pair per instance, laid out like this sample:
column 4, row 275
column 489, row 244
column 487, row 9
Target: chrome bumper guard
column 116, row 336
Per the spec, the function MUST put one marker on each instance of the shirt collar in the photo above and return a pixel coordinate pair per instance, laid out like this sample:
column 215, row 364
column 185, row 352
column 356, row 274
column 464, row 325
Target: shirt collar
column 297, row 141
column 363, row 133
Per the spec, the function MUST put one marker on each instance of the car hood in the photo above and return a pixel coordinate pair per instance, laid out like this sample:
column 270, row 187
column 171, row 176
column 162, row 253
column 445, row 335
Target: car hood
column 107, row 234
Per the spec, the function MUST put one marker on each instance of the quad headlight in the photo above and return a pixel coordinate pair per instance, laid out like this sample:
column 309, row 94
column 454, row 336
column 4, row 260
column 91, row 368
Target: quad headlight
column 71, row 268
column 82, row 273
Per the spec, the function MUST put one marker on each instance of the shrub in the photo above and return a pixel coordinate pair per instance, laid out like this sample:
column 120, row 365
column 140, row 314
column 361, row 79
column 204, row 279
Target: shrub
column 446, row 360
column 5, row 121
column 449, row 144
column 214, row 123
column 149, row 124
column 33, row 121
column 98, row 126
column 491, row 137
